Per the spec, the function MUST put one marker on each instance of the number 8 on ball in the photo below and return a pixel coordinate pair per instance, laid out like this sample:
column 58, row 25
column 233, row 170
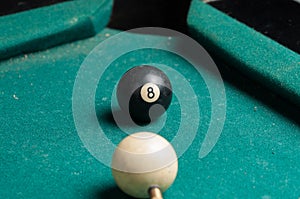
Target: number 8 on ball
column 142, row 87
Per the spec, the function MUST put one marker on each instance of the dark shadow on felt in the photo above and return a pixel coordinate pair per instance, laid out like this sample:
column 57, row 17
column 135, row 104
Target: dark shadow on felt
column 107, row 116
column 250, row 86
column 111, row 193
column 260, row 92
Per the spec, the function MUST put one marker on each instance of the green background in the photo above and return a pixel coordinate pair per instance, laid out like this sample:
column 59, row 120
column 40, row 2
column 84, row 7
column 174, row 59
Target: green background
column 42, row 156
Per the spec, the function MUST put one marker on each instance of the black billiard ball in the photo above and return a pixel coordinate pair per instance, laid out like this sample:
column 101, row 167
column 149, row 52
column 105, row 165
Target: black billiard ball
column 141, row 89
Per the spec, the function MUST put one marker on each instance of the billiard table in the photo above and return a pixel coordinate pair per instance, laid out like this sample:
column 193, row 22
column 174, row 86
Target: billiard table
column 50, row 151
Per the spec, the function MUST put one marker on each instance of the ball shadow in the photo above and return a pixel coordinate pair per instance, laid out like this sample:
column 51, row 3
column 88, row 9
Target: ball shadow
column 111, row 193
column 108, row 116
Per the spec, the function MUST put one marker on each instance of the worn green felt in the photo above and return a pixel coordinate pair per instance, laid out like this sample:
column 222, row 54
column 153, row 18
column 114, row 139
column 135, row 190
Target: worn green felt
column 48, row 26
column 257, row 56
column 41, row 155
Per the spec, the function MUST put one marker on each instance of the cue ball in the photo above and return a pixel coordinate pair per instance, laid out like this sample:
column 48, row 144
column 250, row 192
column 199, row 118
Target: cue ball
column 142, row 87
column 143, row 160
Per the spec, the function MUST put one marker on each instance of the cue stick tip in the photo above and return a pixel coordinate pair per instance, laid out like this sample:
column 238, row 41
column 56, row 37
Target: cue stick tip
column 155, row 193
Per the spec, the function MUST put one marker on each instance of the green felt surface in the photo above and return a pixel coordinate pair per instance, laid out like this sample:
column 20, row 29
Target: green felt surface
column 257, row 56
column 48, row 26
column 42, row 156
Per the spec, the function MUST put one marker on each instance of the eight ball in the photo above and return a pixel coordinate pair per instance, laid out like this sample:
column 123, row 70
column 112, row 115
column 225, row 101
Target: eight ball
column 142, row 88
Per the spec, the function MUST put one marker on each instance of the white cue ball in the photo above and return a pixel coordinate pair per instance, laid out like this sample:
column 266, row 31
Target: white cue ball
column 142, row 160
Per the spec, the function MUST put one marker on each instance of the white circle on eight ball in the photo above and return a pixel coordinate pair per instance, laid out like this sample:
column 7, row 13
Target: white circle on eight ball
column 150, row 92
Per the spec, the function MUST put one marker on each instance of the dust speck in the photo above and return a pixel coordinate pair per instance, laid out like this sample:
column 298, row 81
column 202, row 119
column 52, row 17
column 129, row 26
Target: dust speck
column 104, row 98
column 15, row 97
column 45, row 155
column 76, row 173
column 74, row 20
column 265, row 197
